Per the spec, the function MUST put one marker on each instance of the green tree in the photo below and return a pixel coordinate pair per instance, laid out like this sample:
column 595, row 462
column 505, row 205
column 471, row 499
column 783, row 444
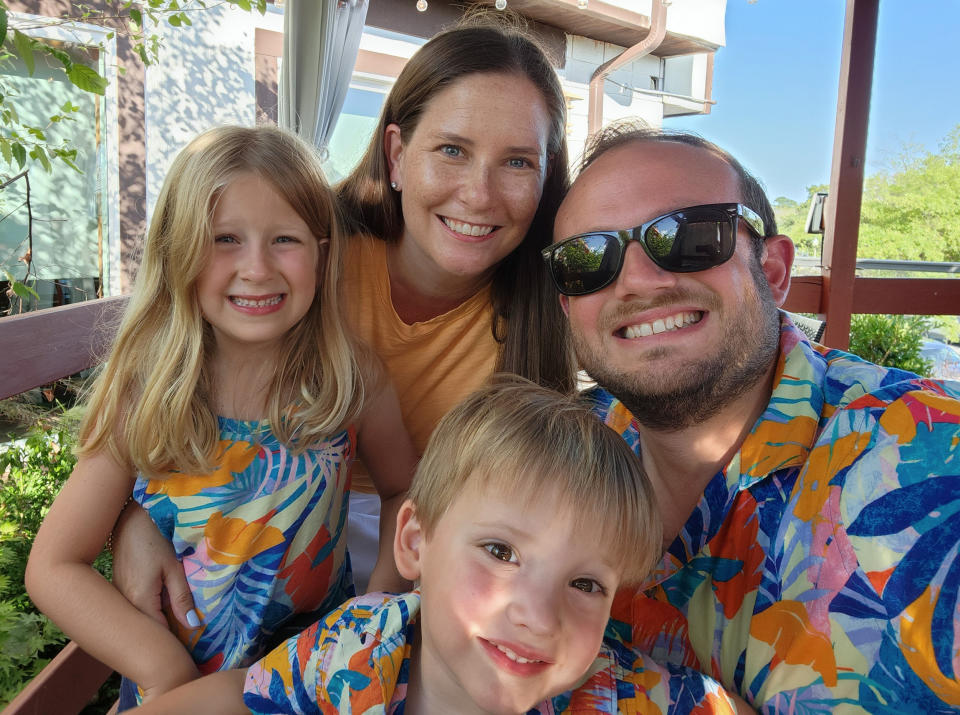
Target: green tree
column 909, row 211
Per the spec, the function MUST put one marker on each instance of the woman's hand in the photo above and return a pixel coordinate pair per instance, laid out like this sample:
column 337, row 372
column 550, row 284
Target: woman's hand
column 146, row 569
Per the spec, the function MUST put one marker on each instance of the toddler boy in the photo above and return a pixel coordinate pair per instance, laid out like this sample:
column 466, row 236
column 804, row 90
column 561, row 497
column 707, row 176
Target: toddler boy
column 525, row 517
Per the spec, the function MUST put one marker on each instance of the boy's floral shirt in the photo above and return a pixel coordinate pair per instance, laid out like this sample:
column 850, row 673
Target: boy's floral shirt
column 819, row 572
column 357, row 661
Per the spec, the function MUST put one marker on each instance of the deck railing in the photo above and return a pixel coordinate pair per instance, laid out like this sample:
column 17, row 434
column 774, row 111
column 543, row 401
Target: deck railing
column 38, row 348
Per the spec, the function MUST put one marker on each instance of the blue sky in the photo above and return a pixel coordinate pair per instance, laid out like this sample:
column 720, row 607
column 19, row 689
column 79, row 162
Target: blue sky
column 775, row 84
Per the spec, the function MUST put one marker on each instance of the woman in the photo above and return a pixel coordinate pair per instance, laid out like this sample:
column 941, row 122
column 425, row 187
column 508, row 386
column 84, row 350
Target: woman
column 451, row 204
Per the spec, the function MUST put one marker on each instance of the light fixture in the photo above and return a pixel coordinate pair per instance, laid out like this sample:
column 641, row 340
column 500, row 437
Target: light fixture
column 422, row 5
column 500, row 4
column 582, row 4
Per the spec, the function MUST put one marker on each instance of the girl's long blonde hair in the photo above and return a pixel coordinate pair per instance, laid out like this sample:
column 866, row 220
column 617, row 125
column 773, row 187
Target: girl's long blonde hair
column 151, row 405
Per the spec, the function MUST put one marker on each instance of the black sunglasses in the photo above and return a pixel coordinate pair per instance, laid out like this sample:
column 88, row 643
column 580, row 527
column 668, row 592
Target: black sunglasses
column 682, row 241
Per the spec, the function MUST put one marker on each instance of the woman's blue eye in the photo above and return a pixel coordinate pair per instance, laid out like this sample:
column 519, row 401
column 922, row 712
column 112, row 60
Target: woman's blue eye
column 519, row 163
column 225, row 238
column 587, row 585
column 451, row 150
column 287, row 239
column 501, row 552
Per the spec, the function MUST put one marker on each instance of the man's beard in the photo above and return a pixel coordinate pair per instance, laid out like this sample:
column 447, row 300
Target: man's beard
column 696, row 390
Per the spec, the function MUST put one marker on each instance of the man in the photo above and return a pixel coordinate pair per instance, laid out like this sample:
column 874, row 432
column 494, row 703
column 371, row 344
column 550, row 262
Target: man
column 811, row 500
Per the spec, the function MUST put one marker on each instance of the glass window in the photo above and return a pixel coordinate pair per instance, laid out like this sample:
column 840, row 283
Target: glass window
column 355, row 127
column 65, row 205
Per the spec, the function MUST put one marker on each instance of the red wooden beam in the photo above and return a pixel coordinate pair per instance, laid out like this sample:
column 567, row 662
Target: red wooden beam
column 907, row 296
column 893, row 296
column 45, row 345
column 804, row 295
column 842, row 220
column 63, row 687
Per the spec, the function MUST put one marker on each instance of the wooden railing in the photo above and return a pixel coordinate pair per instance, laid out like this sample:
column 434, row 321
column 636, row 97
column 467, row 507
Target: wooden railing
column 38, row 348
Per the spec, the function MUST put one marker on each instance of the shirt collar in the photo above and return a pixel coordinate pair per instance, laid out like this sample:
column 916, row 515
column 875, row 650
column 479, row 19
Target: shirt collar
column 784, row 434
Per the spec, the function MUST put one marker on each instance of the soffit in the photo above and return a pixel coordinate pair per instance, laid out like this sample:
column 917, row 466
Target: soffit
column 606, row 22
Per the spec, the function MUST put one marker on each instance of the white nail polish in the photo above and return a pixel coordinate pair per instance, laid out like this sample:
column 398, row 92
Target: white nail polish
column 192, row 619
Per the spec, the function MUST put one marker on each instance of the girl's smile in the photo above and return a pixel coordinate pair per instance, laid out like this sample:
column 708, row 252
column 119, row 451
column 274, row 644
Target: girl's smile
column 258, row 306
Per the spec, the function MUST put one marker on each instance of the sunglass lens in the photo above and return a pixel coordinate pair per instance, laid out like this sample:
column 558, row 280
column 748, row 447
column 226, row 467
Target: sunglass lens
column 692, row 242
column 586, row 263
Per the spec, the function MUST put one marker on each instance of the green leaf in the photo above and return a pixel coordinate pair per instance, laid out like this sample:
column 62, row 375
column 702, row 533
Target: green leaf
column 5, row 151
column 242, row 4
column 87, row 79
column 3, row 22
column 23, row 291
column 24, row 46
column 174, row 20
column 136, row 17
column 37, row 132
column 69, row 106
column 19, row 153
column 62, row 56
column 68, row 157
column 40, row 155
column 185, row 19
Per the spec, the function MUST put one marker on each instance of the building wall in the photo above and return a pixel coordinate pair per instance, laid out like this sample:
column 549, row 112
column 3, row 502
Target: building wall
column 206, row 78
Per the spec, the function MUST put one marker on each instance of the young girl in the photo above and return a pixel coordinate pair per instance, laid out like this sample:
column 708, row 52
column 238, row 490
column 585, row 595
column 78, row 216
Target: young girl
column 234, row 397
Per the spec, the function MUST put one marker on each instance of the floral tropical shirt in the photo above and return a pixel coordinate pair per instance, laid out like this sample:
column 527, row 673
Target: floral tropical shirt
column 261, row 538
column 357, row 660
column 819, row 572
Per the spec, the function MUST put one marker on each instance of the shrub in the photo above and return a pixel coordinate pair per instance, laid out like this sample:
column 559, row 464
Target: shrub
column 32, row 471
column 890, row 340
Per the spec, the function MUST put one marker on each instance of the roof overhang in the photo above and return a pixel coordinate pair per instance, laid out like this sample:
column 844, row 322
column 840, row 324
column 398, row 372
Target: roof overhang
column 606, row 22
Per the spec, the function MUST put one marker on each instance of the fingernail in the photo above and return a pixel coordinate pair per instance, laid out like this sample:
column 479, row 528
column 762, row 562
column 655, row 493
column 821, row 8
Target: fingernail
column 193, row 620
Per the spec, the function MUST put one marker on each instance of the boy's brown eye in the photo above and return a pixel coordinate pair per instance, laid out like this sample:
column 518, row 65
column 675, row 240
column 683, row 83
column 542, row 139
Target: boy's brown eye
column 501, row 551
column 587, row 585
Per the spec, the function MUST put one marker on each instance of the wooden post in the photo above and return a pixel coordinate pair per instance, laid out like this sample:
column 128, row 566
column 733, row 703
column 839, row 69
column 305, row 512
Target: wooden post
column 842, row 221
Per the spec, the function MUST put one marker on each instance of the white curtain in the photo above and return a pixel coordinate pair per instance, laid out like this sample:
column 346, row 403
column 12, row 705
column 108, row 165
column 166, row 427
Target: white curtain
column 320, row 43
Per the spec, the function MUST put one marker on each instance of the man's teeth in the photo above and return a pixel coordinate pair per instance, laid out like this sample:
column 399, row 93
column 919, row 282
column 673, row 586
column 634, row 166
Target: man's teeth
column 467, row 229
column 513, row 656
column 671, row 322
column 263, row 303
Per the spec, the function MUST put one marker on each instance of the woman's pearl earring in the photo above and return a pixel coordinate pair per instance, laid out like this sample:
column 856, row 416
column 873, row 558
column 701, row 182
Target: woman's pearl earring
column 393, row 185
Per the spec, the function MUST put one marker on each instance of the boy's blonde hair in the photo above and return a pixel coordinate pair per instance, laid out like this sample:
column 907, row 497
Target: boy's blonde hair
column 152, row 405
column 519, row 439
